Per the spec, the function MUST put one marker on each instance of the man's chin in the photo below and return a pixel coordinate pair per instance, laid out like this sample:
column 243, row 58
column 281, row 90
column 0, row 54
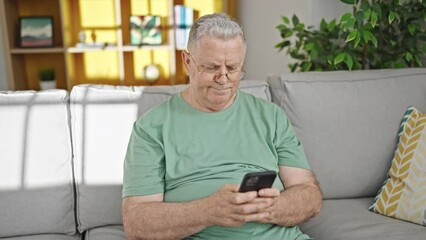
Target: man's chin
column 220, row 92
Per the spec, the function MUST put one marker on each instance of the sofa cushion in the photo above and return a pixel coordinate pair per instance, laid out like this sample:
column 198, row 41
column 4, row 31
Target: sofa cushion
column 36, row 183
column 115, row 232
column 102, row 119
column 349, row 219
column 45, row 237
column 348, row 121
column 403, row 195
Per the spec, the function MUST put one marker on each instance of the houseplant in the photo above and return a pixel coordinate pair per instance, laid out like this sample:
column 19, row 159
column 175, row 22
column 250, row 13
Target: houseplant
column 47, row 78
column 376, row 34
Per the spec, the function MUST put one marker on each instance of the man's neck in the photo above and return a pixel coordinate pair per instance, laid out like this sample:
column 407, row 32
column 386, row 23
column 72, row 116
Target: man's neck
column 192, row 100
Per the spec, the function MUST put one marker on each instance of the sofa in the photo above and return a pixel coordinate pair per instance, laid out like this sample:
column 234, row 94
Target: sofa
column 61, row 153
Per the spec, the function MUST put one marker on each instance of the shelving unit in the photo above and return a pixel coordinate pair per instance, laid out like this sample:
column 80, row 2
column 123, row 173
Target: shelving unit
column 117, row 62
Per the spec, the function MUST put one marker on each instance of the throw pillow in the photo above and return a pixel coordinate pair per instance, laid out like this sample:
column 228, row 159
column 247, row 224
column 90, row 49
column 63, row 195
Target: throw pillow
column 403, row 194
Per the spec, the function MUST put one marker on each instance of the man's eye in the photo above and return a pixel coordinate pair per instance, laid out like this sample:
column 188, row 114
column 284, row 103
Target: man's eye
column 232, row 69
column 212, row 68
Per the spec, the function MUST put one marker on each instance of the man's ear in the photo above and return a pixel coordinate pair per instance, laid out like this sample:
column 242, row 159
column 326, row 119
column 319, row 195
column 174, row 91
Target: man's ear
column 186, row 60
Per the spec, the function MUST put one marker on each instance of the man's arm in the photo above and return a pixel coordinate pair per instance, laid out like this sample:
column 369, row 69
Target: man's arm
column 300, row 201
column 148, row 217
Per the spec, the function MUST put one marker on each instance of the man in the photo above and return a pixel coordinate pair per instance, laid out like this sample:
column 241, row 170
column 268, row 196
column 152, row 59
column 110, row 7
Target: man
column 187, row 155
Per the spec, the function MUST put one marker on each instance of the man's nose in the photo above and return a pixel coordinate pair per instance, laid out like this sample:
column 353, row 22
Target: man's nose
column 222, row 78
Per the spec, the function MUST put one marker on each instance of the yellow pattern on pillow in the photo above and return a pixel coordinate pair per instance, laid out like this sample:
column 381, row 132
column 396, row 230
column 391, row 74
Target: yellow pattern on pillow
column 403, row 194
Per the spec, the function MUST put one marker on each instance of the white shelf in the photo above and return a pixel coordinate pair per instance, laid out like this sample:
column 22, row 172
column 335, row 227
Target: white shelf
column 132, row 48
column 89, row 48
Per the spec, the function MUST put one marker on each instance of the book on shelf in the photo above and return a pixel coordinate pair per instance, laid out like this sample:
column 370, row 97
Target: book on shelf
column 184, row 18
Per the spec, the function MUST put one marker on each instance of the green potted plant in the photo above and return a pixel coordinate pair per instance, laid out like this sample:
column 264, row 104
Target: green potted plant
column 376, row 34
column 47, row 78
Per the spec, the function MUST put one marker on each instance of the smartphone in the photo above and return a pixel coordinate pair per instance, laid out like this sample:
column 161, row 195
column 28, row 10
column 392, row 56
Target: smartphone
column 257, row 180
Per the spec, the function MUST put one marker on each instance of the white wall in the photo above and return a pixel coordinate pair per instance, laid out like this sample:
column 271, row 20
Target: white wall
column 3, row 73
column 259, row 19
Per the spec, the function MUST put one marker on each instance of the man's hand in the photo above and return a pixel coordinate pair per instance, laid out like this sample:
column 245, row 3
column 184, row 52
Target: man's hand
column 301, row 200
column 228, row 207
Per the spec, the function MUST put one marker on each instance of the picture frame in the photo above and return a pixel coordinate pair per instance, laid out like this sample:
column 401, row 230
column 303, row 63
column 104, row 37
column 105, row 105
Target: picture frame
column 36, row 32
column 145, row 30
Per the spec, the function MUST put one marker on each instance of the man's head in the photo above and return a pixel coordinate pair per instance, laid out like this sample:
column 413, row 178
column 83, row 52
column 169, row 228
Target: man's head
column 214, row 62
column 217, row 25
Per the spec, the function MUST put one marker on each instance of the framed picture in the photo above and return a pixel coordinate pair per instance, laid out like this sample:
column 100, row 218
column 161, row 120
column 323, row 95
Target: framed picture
column 145, row 30
column 35, row 32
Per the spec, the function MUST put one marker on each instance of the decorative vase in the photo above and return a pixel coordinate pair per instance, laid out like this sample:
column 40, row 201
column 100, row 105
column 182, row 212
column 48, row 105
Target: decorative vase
column 44, row 85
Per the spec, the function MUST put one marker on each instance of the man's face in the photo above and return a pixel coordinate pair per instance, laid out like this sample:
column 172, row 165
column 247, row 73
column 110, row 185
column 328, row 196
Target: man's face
column 214, row 69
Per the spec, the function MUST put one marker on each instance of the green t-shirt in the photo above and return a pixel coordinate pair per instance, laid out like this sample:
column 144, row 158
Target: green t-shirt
column 187, row 154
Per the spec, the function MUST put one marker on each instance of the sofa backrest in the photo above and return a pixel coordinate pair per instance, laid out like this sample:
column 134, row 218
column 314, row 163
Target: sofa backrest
column 36, row 182
column 102, row 117
column 348, row 122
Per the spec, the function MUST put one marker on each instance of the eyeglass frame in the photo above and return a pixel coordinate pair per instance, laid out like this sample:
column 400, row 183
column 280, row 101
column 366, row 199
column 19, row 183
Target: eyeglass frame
column 241, row 70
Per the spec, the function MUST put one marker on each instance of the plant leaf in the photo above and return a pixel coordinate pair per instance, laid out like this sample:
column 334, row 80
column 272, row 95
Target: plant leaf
column 349, row 61
column 306, row 66
column 352, row 35
column 359, row 15
column 391, row 16
column 418, row 61
column 357, row 39
column 412, row 28
column 309, row 46
column 351, row 2
column 408, row 56
column 366, row 36
column 345, row 17
column 282, row 45
column 373, row 19
column 295, row 20
column 377, row 9
column 373, row 39
column 350, row 23
column 285, row 19
column 332, row 25
column 339, row 58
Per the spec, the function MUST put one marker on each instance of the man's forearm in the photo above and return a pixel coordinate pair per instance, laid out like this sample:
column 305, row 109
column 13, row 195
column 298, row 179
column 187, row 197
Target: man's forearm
column 296, row 205
column 160, row 220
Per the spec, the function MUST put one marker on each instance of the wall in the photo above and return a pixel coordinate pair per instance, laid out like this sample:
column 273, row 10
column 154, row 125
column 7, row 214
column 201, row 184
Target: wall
column 3, row 74
column 259, row 19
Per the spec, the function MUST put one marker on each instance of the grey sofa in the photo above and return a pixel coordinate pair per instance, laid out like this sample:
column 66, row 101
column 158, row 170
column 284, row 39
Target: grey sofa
column 61, row 153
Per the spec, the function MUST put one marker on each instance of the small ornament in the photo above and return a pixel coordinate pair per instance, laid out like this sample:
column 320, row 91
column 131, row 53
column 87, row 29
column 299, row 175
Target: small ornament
column 93, row 36
column 151, row 73
column 82, row 37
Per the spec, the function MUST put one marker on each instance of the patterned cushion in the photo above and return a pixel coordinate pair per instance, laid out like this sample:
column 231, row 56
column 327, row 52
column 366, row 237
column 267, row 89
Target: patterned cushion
column 403, row 195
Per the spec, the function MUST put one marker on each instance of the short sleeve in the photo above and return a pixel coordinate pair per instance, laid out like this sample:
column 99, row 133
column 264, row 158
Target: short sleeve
column 144, row 169
column 289, row 149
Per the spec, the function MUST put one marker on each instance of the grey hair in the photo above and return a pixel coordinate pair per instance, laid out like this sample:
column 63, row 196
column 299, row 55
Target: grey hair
column 218, row 25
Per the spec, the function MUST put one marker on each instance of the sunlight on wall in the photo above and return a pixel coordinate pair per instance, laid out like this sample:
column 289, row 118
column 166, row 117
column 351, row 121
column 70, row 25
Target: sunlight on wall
column 205, row 7
column 103, row 64
column 146, row 7
column 104, row 17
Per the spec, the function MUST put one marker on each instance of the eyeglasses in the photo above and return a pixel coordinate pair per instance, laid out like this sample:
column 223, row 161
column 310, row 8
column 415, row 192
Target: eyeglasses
column 232, row 74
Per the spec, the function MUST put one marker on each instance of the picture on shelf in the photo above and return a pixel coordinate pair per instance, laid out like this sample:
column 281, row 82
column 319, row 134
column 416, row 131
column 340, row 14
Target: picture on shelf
column 36, row 32
column 145, row 30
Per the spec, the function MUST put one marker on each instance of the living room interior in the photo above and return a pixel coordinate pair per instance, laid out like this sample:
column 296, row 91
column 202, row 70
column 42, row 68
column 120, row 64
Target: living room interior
column 62, row 149
column 258, row 20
